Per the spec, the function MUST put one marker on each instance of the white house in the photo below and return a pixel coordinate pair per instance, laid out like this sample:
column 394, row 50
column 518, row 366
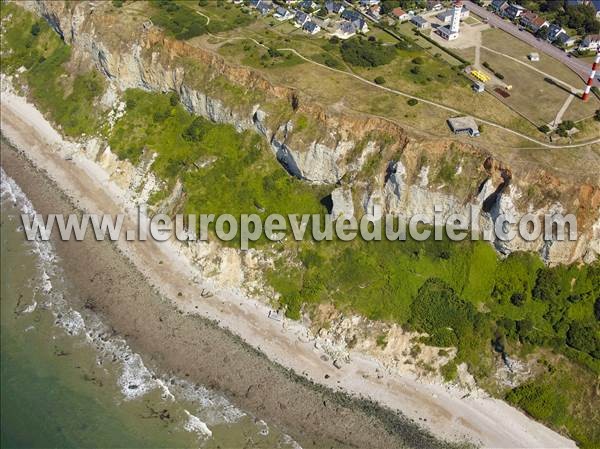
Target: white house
column 311, row 27
column 345, row 30
column 300, row 18
column 283, row 14
column 400, row 15
column 590, row 42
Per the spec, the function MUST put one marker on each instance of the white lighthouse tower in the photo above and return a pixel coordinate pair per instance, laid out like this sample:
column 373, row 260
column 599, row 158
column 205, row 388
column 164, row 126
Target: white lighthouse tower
column 451, row 31
column 455, row 24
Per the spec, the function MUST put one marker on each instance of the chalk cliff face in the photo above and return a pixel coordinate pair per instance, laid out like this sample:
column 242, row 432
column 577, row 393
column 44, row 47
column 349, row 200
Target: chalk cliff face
column 407, row 176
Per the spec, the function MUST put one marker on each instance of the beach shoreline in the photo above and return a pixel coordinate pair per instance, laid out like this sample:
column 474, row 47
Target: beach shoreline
column 436, row 407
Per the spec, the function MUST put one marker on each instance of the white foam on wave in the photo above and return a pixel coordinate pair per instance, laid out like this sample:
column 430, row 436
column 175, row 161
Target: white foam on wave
column 136, row 379
column 195, row 424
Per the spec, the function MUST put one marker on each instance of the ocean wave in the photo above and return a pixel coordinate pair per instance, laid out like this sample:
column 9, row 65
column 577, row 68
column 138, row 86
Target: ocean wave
column 135, row 379
column 195, row 424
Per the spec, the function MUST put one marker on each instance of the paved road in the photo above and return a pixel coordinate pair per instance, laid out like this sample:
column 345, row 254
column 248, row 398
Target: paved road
column 581, row 68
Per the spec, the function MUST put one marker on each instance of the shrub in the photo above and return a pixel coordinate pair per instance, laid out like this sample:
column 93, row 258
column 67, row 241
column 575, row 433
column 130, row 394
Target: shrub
column 274, row 53
column 173, row 99
column 35, row 29
column 544, row 129
column 540, row 401
column 582, row 337
column 379, row 80
column 418, row 60
column 416, row 70
column 597, row 115
column 364, row 53
column 437, row 309
column 499, row 75
column 413, row 102
column 517, row 299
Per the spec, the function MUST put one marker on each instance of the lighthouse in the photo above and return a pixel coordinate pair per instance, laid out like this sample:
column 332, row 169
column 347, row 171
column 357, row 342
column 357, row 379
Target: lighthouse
column 455, row 24
column 451, row 31
column 590, row 82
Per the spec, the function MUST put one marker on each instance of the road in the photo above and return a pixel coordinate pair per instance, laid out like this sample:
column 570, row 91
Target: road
column 581, row 68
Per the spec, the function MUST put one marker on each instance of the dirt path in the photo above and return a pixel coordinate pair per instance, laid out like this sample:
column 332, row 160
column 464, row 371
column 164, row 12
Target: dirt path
column 421, row 99
column 562, row 110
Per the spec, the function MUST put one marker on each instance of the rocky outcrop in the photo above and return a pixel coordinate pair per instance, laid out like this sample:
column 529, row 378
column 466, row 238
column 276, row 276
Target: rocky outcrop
column 342, row 203
column 136, row 54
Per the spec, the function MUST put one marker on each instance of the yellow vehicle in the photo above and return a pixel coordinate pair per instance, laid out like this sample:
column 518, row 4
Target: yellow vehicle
column 480, row 76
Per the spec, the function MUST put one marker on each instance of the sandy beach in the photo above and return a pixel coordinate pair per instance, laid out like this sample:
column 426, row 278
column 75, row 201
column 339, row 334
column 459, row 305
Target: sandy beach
column 185, row 333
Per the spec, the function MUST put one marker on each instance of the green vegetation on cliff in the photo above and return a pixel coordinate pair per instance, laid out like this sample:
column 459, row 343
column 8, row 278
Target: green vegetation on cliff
column 33, row 51
column 222, row 171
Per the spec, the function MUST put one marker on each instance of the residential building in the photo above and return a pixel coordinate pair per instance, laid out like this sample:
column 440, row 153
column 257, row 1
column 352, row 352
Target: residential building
column 351, row 15
column 361, row 25
column 369, row 3
column 264, row 8
column 499, row 5
column 400, row 15
column 420, row 22
column 532, row 21
column 553, row 31
column 311, row 27
column 565, row 40
column 375, row 11
column 300, row 18
column 307, row 5
column 255, row 3
column 434, row 5
column 345, row 30
column 590, row 42
column 283, row 14
column 334, row 7
column 514, row 11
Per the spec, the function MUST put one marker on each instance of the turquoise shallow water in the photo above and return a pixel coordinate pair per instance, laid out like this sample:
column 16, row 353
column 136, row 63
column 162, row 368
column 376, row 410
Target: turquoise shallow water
column 66, row 382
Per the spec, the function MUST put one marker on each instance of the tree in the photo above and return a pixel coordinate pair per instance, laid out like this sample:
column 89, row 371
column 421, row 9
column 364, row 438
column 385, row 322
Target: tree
column 544, row 129
column 35, row 29
column 196, row 130
column 379, row 80
column 413, row 102
column 542, row 33
column 597, row 115
column 547, row 285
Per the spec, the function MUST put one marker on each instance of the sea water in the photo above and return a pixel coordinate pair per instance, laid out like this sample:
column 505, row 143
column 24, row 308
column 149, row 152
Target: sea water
column 68, row 381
